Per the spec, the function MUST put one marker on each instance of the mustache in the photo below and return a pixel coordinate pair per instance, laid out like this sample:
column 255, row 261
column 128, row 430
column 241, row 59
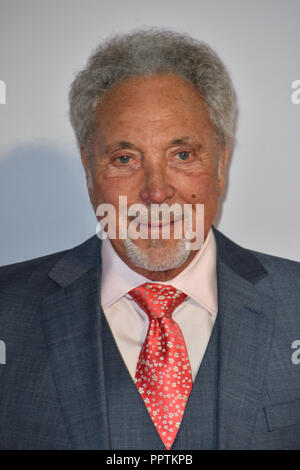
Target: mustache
column 155, row 215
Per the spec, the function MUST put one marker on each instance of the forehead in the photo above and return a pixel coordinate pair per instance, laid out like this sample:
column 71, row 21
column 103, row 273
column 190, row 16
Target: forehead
column 153, row 106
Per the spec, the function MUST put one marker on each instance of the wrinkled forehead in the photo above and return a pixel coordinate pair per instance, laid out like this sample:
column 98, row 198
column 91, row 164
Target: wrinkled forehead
column 152, row 107
column 156, row 89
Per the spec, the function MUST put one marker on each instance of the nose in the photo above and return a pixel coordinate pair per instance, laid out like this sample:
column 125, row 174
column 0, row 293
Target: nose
column 156, row 189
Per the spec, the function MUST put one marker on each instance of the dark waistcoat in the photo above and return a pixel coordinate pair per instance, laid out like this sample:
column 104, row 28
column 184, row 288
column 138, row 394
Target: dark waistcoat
column 129, row 423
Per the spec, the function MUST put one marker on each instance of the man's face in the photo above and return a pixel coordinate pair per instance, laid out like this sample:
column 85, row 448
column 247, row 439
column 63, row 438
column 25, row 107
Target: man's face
column 154, row 143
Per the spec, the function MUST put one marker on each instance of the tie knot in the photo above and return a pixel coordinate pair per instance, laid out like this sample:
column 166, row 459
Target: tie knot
column 157, row 300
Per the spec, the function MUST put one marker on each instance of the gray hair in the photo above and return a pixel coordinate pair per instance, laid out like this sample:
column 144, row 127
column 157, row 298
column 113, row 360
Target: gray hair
column 146, row 52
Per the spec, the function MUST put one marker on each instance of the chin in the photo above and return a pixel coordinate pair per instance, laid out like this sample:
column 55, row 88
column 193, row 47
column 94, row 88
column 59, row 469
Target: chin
column 157, row 255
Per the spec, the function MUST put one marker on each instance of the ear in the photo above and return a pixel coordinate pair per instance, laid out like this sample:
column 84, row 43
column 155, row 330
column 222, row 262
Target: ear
column 86, row 165
column 88, row 176
column 223, row 167
column 83, row 154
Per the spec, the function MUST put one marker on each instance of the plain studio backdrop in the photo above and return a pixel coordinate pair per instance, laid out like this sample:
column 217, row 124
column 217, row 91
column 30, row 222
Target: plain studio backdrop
column 44, row 201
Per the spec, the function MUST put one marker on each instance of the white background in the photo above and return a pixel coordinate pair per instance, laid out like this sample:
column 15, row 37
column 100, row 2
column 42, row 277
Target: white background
column 44, row 201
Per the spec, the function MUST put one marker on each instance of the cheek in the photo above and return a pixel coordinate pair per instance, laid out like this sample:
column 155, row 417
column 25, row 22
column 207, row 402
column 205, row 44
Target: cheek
column 198, row 189
column 106, row 193
column 109, row 190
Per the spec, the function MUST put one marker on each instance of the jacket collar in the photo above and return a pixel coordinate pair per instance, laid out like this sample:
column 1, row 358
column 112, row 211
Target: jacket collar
column 79, row 260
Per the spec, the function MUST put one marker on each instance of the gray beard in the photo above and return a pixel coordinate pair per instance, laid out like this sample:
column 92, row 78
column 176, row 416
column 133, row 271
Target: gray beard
column 157, row 257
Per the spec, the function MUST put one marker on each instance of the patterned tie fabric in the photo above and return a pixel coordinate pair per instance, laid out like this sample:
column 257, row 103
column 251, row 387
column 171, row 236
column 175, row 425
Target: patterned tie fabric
column 163, row 375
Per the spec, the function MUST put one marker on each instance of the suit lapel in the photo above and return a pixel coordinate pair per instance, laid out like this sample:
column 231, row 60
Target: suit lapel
column 246, row 314
column 71, row 318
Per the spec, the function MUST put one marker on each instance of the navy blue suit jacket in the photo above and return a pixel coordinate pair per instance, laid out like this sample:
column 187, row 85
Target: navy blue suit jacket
column 52, row 386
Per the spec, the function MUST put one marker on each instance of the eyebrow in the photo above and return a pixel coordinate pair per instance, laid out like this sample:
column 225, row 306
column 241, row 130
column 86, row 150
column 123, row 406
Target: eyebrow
column 122, row 144
column 182, row 141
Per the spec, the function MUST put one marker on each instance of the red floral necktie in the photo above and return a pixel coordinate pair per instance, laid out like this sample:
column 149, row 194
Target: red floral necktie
column 163, row 375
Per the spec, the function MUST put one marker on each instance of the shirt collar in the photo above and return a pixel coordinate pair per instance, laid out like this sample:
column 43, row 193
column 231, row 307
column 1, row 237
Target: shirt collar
column 198, row 280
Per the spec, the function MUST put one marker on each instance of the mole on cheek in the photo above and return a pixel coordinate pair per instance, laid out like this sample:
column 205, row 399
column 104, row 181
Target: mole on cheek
column 193, row 196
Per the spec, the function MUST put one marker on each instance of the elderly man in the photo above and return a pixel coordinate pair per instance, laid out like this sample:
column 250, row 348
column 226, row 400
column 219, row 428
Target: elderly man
column 143, row 342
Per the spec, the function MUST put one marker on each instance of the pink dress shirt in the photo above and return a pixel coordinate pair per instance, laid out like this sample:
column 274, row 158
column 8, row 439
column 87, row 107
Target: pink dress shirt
column 129, row 323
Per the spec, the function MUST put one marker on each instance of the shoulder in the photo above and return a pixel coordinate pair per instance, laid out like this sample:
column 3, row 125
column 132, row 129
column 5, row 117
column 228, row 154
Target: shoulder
column 282, row 271
column 22, row 287
column 22, row 276
column 24, row 284
column 279, row 266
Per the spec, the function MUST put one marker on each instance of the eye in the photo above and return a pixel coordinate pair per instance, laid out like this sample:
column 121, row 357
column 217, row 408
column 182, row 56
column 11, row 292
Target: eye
column 184, row 155
column 123, row 158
